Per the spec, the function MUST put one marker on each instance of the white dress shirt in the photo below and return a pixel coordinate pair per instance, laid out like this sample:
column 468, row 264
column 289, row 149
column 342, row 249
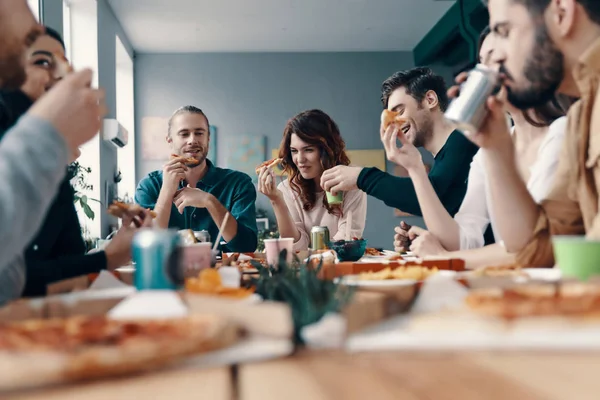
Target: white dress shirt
column 474, row 214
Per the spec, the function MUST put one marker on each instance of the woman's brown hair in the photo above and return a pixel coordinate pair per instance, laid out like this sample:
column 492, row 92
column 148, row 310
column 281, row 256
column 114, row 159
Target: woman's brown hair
column 318, row 129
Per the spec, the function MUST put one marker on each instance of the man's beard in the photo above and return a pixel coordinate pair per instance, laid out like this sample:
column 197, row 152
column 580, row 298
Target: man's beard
column 202, row 154
column 12, row 71
column 423, row 131
column 544, row 71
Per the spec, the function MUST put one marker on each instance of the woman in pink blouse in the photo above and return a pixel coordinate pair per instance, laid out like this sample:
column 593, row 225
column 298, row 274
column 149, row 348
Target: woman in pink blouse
column 311, row 144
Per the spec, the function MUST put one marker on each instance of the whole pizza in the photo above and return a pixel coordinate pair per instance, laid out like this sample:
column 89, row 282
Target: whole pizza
column 42, row 352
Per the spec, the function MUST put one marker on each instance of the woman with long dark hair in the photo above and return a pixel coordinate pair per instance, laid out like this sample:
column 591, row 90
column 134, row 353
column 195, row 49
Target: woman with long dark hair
column 311, row 144
column 537, row 134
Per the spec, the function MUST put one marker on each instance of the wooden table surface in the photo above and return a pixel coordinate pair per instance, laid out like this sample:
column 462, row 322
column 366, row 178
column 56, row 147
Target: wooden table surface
column 420, row 376
column 382, row 376
column 172, row 384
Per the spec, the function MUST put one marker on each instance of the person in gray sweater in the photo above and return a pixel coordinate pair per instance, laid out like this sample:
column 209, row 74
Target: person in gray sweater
column 34, row 153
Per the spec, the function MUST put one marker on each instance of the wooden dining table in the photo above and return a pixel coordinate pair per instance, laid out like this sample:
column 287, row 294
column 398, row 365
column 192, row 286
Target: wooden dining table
column 319, row 375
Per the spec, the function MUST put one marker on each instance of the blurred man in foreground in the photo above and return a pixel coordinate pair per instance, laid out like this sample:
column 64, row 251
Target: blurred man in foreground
column 34, row 153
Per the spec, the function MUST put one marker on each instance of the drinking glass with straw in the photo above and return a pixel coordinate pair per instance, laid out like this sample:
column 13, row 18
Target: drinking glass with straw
column 223, row 224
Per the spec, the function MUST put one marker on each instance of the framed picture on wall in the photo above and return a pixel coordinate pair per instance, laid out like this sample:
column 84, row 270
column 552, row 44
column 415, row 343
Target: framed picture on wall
column 154, row 132
column 245, row 153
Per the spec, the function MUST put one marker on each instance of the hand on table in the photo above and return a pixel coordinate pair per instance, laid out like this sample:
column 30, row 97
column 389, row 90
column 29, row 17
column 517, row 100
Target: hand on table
column 423, row 243
column 401, row 238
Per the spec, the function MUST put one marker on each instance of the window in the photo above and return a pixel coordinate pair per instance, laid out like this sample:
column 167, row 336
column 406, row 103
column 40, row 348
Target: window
column 35, row 8
column 125, row 116
column 80, row 31
column 67, row 29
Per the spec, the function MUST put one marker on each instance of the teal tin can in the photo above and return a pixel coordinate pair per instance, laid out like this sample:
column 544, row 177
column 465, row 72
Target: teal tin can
column 158, row 259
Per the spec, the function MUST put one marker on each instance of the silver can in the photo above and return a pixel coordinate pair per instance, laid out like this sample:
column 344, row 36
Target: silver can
column 468, row 111
column 319, row 238
column 158, row 259
column 202, row 236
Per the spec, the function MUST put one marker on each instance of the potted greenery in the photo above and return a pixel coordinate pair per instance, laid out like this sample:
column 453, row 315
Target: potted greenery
column 78, row 175
column 298, row 284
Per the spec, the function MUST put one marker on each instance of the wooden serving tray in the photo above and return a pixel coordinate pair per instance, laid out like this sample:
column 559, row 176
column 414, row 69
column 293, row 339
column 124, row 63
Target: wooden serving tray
column 330, row 271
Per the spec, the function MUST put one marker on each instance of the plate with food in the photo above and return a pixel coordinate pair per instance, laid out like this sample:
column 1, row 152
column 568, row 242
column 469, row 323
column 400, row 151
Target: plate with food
column 209, row 282
column 372, row 254
column 515, row 272
column 537, row 299
column 400, row 276
column 244, row 261
column 543, row 274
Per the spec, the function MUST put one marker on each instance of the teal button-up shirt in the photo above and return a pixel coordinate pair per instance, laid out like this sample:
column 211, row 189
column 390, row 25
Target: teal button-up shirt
column 234, row 190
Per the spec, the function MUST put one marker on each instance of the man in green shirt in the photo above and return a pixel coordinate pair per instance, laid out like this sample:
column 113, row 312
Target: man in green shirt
column 419, row 96
column 198, row 195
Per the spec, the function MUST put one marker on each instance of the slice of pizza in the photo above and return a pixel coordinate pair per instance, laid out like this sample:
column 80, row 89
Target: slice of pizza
column 42, row 352
column 120, row 209
column 269, row 164
column 537, row 299
column 391, row 117
column 186, row 160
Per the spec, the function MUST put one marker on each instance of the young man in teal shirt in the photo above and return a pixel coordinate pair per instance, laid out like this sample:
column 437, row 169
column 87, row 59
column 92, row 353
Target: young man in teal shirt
column 197, row 196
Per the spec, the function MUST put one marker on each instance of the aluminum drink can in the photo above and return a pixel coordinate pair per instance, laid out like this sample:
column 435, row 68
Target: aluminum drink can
column 158, row 259
column 319, row 237
column 468, row 111
column 202, row 236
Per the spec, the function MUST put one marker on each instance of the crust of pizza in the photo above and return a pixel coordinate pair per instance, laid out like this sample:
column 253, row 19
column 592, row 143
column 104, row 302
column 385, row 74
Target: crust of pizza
column 119, row 209
column 186, row 160
column 370, row 251
column 95, row 347
column 389, row 117
column 269, row 164
column 537, row 299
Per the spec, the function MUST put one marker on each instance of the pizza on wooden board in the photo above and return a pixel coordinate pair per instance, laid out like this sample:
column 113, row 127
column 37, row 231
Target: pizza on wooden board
column 43, row 352
column 537, row 299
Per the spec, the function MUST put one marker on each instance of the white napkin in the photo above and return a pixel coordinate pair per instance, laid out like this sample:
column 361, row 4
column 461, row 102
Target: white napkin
column 230, row 276
column 150, row 304
column 440, row 292
column 106, row 280
column 328, row 333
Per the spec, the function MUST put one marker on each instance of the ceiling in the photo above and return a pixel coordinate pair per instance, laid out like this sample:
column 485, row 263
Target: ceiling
column 174, row 26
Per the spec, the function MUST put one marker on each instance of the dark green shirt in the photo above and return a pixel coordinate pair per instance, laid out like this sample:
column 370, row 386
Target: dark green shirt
column 448, row 177
column 234, row 190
